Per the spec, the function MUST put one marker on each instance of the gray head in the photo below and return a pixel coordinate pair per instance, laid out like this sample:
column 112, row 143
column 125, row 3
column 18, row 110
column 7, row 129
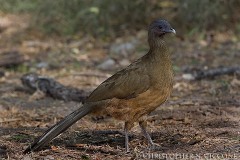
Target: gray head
column 159, row 28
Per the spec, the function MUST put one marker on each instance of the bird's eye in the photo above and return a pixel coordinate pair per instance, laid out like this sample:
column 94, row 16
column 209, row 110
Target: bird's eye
column 159, row 27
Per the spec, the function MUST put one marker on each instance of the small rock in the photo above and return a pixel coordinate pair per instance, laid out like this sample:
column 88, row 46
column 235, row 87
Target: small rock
column 188, row 76
column 107, row 64
column 124, row 62
column 42, row 65
column 75, row 50
column 123, row 49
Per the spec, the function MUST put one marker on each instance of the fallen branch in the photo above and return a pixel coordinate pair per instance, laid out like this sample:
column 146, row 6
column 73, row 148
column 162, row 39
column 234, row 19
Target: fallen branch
column 11, row 58
column 50, row 87
column 211, row 73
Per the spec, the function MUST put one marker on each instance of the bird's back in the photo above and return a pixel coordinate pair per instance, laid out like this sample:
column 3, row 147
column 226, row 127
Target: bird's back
column 138, row 89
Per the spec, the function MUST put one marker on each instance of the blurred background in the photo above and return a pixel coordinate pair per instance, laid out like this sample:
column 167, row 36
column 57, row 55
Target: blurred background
column 112, row 18
column 114, row 28
column 97, row 30
column 80, row 43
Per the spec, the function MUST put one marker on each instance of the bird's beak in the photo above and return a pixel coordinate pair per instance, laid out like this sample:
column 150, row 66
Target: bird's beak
column 173, row 31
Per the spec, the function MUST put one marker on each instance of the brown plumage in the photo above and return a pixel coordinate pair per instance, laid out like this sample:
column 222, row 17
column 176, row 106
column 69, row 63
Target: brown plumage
column 130, row 94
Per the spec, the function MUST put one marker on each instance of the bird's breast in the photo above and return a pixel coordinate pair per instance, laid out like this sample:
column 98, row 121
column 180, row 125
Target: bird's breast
column 135, row 108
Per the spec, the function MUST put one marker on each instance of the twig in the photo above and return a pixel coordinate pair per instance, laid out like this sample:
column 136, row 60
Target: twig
column 52, row 88
column 94, row 149
column 211, row 73
column 92, row 75
column 9, row 120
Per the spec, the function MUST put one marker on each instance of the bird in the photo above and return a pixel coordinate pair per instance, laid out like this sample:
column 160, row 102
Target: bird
column 129, row 95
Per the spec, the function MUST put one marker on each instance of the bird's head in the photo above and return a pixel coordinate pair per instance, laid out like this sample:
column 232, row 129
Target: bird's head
column 159, row 28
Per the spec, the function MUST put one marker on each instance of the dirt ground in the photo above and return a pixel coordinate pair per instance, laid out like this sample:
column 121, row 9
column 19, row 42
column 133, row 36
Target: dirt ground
column 201, row 118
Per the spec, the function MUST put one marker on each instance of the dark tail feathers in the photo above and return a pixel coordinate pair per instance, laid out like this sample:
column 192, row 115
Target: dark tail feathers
column 58, row 128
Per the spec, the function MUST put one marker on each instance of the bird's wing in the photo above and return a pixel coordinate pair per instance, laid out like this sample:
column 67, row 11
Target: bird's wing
column 125, row 84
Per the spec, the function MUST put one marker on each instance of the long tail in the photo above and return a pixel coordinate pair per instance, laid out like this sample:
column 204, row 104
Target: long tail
column 58, row 128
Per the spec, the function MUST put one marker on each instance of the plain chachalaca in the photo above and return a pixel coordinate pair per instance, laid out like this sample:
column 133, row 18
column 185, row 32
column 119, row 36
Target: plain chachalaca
column 130, row 94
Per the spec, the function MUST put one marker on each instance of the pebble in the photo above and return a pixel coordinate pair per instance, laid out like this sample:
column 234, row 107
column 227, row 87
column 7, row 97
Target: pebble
column 123, row 49
column 108, row 64
column 124, row 62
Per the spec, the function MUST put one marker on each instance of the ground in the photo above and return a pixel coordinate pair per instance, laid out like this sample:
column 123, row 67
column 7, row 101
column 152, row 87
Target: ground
column 200, row 118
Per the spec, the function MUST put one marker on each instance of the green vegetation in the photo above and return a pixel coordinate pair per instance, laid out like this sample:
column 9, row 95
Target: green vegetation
column 106, row 17
column 208, row 14
column 19, row 137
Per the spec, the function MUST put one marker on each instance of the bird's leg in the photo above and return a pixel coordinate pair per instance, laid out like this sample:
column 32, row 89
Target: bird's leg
column 143, row 125
column 126, row 129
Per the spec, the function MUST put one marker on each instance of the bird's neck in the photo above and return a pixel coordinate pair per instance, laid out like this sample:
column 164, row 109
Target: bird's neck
column 159, row 50
column 161, row 64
